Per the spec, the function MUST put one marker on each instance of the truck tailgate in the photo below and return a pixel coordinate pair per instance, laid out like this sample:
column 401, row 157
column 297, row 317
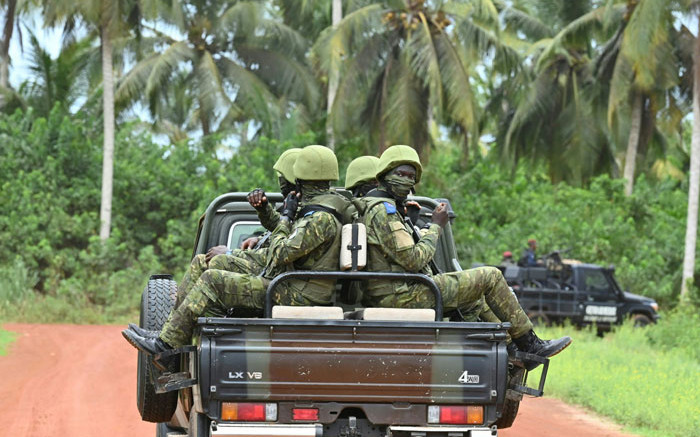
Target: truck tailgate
column 352, row 360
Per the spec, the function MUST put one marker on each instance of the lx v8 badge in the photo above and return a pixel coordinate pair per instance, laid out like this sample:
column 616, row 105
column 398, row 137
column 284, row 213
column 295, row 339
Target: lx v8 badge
column 243, row 375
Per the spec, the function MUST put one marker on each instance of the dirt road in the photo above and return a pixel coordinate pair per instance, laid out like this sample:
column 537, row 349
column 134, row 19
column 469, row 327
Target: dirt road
column 80, row 381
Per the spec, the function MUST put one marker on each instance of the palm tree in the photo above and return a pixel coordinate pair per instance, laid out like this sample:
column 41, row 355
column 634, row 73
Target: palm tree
column 694, row 176
column 14, row 9
column 641, row 69
column 61, row 81
column 240, row 64
column 546, row 110
column 108, row 19
column 8, row 27
column 406, row 64
column 694, row 190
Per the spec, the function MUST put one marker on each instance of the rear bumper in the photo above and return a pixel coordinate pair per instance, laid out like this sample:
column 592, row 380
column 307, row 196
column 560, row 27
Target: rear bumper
column 316, row 430
column 440, row 431
column 266, row 430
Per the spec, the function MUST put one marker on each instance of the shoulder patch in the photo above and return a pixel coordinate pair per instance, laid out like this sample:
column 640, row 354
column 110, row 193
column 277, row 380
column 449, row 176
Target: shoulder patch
column 390, row 209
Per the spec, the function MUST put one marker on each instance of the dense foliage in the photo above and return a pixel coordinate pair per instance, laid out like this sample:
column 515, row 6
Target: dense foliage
column 641, row 235
column 645, row 379
column 49, row 173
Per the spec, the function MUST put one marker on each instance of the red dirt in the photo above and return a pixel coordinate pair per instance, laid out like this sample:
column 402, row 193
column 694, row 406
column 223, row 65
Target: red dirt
column 79, row 381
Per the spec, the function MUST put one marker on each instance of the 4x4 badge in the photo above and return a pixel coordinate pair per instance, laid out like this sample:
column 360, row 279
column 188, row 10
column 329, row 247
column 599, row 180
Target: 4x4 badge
column 466, row 378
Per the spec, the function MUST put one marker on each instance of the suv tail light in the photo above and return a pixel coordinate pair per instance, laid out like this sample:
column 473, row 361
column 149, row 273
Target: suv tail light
column 456, row 415
column 249, row 411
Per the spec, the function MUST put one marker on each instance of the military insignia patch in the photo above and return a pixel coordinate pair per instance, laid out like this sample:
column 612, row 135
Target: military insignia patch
column 390, row 209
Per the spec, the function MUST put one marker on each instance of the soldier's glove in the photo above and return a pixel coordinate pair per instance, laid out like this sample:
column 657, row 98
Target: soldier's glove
column 413, row 211
column 257, row 199
column 291, row 203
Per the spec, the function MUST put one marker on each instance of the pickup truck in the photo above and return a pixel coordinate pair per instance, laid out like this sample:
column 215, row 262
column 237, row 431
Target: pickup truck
column 585, row 294
column 341, row 370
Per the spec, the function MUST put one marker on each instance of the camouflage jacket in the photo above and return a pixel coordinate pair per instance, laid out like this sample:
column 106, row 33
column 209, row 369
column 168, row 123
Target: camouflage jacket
column 312, row 243
column 391, row 244
column 269, row 217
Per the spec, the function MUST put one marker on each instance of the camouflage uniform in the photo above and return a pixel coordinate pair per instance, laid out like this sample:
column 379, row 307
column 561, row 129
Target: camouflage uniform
column 311, row 244
column 251, row 261
column 392, row 249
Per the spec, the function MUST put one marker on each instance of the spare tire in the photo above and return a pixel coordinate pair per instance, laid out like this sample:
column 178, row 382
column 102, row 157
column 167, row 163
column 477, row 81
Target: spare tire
column 157, row 301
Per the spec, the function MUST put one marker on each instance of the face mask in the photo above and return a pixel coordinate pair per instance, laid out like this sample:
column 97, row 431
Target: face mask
column 363, row 189
column 399, row 186
column 286, row 187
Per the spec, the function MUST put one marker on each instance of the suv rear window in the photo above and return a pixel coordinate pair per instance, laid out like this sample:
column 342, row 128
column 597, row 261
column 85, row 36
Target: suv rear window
column 240, row 231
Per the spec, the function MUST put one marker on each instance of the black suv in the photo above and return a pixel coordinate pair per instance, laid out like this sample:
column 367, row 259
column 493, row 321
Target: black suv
column 583, row 293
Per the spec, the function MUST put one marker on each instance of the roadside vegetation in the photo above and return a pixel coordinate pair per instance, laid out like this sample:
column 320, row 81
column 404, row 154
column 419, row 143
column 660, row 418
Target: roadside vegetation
column 645, row 379
column 6, row 338
column 54, row 268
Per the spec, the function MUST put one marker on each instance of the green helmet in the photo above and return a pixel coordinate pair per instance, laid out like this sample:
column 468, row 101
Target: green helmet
column 362, row 169
column 395, row 156
column 285, row 164
column 316, row 163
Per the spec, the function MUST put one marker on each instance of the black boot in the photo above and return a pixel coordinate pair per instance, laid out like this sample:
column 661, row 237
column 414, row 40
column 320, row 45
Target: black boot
column 532, row 344
column 143, row 332
column 149, row 345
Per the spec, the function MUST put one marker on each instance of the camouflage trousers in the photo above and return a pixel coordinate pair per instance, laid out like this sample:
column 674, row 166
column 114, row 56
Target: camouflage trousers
column 239, row 261
column 480, row 293
column 214, row 293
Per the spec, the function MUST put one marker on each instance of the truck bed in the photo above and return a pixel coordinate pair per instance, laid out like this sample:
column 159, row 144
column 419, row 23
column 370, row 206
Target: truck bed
column 384, row 368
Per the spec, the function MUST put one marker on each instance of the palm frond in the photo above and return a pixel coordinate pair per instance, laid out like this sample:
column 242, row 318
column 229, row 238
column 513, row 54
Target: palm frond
column 339, row 41
column 209, row 85
column 455, row 78
column 423, row 59
column 251, row 93
column 283, row 74
column 574, row 34
column 406, row 107
column 517, row 20
column 644, row 35
column 167, row 62
column 240, row 20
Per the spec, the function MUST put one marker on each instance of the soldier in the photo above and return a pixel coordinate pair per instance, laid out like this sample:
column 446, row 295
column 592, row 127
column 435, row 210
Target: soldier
column 249, row 258
column 393, row 249
column 313, row 243
column 361, row 175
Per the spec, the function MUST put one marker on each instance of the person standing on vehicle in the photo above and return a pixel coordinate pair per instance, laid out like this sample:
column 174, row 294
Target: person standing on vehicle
column 311, row 243
column 392, row 248
column 529, row 258
column 361, row 175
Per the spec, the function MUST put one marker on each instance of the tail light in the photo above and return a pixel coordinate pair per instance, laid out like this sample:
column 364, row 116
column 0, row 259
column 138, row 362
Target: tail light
column 456, row 415
column 305, row 414
column 249, row 411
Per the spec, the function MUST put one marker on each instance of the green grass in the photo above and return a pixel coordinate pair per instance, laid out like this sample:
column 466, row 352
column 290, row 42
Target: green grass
column 6, row 338
column 650, row 389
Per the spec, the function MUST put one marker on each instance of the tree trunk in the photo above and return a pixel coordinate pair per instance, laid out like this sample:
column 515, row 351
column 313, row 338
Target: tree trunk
column 633, row 142
column 333, row 77
column 5, row 43
column 108, row 131
column 692, row 220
